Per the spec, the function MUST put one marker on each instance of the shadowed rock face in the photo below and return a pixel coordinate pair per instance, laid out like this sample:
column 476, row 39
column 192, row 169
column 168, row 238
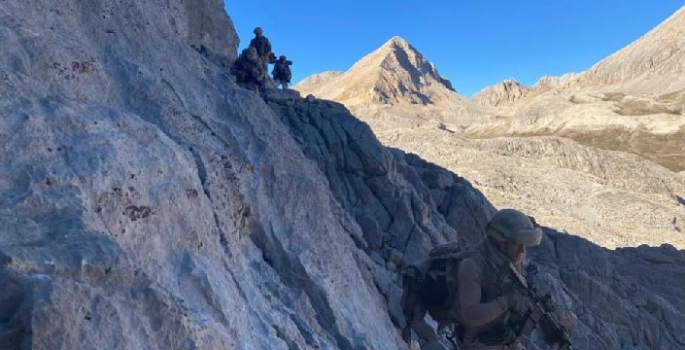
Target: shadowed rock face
column 147, row 202
column 622, row 299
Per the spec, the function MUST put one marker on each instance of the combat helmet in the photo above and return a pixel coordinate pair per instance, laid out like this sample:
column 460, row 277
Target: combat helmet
column 512, row 225
column 258, row 30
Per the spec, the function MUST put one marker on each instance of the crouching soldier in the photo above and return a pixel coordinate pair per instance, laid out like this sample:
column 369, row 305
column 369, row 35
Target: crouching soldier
column 482, row 293
column 248, row 70
column 281, row 72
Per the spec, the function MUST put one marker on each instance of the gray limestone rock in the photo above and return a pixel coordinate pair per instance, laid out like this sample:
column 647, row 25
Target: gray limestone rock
column 147, row 202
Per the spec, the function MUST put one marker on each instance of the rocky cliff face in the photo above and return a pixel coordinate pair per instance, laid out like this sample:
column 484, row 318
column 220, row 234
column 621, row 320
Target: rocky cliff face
column 147, row 202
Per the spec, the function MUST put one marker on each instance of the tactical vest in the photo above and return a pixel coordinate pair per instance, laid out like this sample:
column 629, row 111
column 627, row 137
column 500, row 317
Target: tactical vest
column 497, row 282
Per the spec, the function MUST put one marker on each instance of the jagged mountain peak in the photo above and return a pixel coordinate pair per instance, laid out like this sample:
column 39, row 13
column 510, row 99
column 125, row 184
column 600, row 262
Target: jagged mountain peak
column 395, row 45
column 399, row 57
column 510, row 90
column 400, row 42
column 395, row 73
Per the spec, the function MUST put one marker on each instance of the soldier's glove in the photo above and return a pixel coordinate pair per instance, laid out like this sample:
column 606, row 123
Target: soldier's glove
column 517, row 304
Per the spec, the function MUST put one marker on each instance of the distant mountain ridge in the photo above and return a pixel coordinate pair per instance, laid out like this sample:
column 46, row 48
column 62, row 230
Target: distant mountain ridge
column 654, row 64
column 506, row 91
column 509, row 90
column 316, row 81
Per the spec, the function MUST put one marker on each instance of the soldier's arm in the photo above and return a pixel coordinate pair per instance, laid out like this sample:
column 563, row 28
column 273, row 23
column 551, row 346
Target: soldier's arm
column 473, row 313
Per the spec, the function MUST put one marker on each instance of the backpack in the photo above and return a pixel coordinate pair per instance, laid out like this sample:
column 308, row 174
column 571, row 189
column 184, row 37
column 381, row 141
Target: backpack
column 425, row 286
column 282, row 71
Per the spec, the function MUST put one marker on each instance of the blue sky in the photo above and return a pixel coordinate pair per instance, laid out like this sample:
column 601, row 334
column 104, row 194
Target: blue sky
column 473, row 43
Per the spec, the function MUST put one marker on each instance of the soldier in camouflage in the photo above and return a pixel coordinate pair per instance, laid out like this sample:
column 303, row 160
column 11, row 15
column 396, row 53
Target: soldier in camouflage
column 487, row 303
column 281, row 72
column 248, row 70
column 263, row 47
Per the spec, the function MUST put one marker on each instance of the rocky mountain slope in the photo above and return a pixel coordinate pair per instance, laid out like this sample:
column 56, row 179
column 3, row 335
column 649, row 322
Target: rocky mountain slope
column 506, row 91
column 147, row 202
column 654, row 64
column 509, row 91
column 630, row 101
column 396, row 73
column 651, row 127
column 612, row 198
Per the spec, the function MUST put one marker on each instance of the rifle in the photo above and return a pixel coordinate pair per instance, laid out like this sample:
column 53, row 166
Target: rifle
column 542, row 314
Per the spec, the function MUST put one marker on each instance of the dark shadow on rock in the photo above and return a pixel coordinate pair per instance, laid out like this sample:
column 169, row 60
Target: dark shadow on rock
column 417, row 72
column 630, row 294
column 14, row 302
column 402, row 202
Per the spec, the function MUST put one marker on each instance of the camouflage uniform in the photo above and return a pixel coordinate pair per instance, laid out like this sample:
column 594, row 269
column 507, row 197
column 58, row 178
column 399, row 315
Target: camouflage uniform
column 263, row 47
column 480, row 298
column 248, row 71
column 481, row 302
column 281, row 72
column 485, row 302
